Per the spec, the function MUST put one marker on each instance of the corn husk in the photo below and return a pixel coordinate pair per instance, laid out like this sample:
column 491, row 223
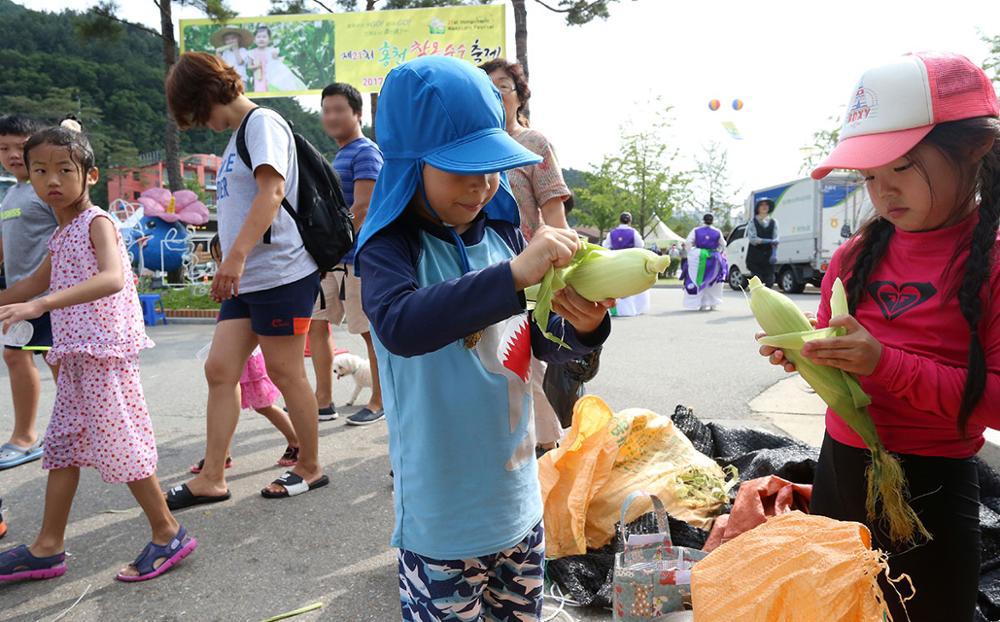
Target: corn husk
column 789, row 329
column 596, row 273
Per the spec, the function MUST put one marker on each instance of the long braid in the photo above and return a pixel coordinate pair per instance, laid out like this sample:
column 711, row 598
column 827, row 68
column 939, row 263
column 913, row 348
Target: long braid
column 867, row 252
column 978, row 269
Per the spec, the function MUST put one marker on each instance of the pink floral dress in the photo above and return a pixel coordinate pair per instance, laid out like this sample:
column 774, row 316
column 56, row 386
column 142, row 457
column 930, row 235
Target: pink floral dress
column 100, row 417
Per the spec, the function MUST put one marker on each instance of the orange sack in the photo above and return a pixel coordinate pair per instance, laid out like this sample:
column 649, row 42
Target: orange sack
column 793, row 568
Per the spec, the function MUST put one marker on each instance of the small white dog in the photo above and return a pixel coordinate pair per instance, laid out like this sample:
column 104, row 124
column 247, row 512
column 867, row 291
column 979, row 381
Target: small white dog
column 352, row 365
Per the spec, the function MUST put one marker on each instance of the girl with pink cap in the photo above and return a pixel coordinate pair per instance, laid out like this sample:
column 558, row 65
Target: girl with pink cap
column 923, row 335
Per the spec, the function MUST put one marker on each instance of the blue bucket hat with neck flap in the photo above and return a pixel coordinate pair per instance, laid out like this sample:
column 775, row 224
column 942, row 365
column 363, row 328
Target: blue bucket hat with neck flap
column 444, row 112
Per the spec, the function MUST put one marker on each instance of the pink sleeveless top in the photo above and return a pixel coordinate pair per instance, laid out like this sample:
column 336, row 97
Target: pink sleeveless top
column 104, row 328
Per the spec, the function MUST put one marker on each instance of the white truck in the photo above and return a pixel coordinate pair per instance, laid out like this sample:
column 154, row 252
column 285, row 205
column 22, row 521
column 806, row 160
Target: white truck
column 814, row 218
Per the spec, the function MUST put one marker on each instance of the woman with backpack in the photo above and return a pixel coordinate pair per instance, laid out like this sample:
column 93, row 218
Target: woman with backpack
column 267, row 282
column 625, row 236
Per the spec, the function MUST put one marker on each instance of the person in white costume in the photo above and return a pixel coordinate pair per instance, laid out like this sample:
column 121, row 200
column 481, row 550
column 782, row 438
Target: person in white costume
column 704, row 267
column 624, row 236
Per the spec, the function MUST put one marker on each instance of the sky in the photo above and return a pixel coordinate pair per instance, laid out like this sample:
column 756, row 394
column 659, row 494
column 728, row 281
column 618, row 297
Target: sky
column 793, row 63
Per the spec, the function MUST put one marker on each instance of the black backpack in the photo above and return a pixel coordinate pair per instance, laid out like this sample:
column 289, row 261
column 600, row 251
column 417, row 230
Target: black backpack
column 323, row 218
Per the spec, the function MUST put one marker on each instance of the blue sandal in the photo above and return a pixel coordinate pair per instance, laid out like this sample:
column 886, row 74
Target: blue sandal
column 11, row 455
column 18, row 564
column 171, row 554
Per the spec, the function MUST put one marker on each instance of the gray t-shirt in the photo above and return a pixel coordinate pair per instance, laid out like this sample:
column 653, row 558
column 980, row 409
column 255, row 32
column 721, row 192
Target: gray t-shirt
column 27, row 223
column 284, row 260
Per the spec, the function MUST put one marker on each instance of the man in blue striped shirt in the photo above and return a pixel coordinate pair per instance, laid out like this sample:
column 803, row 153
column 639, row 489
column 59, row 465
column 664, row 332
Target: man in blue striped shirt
column 357, row 163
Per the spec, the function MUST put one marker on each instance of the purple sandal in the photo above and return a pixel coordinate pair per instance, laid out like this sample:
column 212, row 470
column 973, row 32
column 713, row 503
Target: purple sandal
column 172, row 553
column 18, row 564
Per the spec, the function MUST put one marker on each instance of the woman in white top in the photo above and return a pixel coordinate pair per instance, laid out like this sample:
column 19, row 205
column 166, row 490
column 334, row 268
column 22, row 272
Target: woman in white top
column 267, row 282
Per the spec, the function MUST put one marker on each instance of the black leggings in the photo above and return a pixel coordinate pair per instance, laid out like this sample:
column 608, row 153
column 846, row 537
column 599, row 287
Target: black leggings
column 761, row 268
column 945, row 494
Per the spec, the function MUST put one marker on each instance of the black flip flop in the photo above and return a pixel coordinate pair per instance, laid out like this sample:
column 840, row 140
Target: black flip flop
column 180, row 497
column 293, row 485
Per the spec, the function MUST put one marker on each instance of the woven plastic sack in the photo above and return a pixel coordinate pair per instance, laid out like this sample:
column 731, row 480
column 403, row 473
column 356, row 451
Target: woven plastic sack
column 757, row 500
column 793, row 568
column 652, row 576
column 605, row 457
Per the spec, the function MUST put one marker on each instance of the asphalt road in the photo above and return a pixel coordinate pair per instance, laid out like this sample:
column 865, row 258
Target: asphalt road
column 257, row 557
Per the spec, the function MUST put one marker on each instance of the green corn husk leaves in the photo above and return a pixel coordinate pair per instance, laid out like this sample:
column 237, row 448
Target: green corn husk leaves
column 788, row 328
column 698, row 487
column 596, row 273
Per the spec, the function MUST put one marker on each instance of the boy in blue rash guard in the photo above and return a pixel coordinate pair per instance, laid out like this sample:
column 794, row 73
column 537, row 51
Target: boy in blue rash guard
column 443, row 268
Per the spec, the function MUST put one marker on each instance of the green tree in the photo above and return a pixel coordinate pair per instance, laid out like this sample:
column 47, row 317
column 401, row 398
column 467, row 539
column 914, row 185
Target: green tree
column 598, row 202
column 652, row 185
column 643, row 178
column 682, row 223
column 195, row 187
column 111, row 150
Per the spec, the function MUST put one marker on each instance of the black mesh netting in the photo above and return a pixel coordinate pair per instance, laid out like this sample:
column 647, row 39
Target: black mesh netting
column 756, row 453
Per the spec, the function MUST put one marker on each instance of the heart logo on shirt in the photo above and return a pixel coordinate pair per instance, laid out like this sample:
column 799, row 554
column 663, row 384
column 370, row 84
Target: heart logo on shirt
column 894, row 300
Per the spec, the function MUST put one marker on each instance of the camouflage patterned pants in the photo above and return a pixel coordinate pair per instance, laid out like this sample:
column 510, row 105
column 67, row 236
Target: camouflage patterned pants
column 503, row 587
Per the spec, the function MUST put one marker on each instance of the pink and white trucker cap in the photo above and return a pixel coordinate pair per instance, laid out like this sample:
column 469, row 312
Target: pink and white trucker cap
column 896, row 105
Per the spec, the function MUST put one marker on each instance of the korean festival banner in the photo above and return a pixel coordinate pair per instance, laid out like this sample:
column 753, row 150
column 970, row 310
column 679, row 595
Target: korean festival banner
column 289, row 55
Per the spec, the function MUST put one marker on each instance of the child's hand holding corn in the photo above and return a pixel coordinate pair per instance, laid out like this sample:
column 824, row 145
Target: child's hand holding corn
column 549, row 247
column 776, row 356
column 585, row 316
column 856, row 352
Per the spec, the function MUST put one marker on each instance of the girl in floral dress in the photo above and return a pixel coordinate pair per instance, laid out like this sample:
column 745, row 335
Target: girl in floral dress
column 100, row 417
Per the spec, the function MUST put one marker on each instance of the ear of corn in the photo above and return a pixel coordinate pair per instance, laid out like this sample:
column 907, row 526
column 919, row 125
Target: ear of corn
column 795, row 341
column 838, row 300
column 789, row 329
column 596, row 274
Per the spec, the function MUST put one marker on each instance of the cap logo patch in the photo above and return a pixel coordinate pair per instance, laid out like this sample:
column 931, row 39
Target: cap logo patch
column 863, row 105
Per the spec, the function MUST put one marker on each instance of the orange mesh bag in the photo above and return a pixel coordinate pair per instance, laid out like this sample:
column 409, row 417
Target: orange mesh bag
column 793, row 568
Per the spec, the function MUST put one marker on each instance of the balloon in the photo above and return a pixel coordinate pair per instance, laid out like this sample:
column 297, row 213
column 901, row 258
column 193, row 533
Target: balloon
column 714, row 104
column 737, row 104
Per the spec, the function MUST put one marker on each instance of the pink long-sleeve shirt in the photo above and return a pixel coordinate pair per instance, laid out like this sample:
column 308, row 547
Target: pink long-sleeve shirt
column 911, row 306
